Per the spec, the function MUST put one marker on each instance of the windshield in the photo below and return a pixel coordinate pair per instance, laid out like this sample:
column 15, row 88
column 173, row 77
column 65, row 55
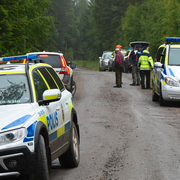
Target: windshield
column 108, row 55
column 174, row 56
column 14, row 89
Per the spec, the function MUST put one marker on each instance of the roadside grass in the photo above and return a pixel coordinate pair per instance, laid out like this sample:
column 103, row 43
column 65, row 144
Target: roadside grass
column 91, row 65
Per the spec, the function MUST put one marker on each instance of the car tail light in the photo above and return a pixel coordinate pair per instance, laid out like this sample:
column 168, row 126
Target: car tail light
column 24, row 60
column 64, row 69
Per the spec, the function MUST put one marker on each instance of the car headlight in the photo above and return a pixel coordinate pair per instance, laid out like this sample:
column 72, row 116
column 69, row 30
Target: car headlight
column 12, row 136
column 171, row 82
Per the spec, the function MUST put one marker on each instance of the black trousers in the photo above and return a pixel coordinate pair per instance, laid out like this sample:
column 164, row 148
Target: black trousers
column 145, row 74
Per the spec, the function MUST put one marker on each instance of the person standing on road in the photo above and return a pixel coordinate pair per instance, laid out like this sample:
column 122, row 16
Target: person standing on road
column 119, row 62
column 135, row 71
column 145, row 65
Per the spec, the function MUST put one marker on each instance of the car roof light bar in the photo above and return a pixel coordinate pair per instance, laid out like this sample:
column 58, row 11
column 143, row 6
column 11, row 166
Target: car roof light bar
column 172, row 39
column 14, row 58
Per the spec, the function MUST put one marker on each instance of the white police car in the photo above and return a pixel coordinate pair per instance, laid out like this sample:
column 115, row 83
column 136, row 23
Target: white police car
column 166, row 77
column 38, row 120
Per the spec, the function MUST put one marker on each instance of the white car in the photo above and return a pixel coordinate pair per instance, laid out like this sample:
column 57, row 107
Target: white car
column 166, row 78
column 38, row 120
column 103, row 63
column 61, row 66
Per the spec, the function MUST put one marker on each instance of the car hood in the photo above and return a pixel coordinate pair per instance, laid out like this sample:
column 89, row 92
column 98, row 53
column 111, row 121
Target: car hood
column 14, row 116
column 106, row 60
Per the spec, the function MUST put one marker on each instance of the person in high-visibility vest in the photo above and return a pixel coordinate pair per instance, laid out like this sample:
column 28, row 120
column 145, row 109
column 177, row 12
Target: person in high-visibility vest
column 145, row 64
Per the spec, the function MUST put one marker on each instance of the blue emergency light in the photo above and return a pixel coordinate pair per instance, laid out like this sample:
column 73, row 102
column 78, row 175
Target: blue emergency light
column 173, row 39
column 16, row 58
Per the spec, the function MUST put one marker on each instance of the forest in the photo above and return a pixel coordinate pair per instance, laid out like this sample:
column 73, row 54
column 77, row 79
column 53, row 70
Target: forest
column 83, row 29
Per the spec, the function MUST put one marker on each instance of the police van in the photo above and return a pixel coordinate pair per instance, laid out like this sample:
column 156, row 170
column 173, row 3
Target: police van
column 38, row 120
column 166, row 72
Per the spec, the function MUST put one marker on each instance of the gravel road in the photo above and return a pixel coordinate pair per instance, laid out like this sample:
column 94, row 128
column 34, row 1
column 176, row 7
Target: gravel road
column 124, row 135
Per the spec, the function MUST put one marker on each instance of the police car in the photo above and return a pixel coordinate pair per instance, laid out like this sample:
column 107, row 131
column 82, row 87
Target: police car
column 166, row 73
column 38, row 120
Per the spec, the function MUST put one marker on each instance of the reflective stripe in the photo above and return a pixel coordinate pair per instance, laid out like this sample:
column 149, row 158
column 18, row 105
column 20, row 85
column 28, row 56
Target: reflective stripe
column 60, row 131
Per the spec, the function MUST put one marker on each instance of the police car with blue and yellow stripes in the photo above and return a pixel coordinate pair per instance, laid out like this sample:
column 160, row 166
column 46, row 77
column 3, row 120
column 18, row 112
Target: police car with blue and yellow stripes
column 166, row 73
column 38, row 120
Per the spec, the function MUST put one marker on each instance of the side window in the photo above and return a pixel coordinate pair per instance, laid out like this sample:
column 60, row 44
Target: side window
column 40, row 85
column 158, row 57
column 48, row 78
column 56, row 78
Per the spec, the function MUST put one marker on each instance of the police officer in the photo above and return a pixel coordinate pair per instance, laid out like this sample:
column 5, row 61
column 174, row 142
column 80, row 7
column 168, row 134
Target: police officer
column 119, row 62
column 145, row 65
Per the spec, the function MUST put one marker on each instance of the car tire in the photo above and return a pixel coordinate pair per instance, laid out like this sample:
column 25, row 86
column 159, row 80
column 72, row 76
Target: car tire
column 42, row 171
column 73, row 89
column 162, row 102
column 155, row 97
column 71, row 157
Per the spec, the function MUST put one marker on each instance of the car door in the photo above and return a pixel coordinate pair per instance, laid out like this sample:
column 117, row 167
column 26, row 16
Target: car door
column 66, row 107
column 158, row 71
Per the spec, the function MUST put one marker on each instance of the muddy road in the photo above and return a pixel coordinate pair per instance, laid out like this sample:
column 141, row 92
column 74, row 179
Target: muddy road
column 124, row 135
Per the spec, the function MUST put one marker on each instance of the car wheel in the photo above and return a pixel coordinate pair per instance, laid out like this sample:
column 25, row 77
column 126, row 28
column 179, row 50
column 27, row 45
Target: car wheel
column 71, row 158
column 162, row 102
column 41, row 172
column 155, row 97
column 73, row 90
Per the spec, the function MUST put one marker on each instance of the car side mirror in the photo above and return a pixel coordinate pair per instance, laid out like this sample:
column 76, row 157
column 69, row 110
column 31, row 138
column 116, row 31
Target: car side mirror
column 158, row 65
column 50, row 95
column 73, row 66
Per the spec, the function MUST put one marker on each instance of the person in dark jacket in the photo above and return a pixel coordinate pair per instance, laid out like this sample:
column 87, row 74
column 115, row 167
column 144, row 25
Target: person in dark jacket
column 119, row 62
column 134, row 62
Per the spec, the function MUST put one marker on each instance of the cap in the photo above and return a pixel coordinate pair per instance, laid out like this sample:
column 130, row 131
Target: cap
column 118, row 46
column 137, row 45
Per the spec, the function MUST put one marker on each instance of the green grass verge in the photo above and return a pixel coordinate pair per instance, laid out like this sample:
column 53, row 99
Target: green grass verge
column 91, row 65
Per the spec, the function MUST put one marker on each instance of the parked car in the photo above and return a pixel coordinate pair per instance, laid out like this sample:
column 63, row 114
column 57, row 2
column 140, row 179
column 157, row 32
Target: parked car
column 103, row 61
column 111, row 61
column 166, row 72
column 38, row 120
column 61, row 66
column 128, row 57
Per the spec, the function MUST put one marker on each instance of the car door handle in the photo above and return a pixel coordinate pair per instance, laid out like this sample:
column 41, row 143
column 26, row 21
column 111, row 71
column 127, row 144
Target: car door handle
column 57, row 108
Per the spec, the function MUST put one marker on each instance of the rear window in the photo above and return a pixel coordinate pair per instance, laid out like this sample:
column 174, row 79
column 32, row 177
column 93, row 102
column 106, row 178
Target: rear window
column 53, row 60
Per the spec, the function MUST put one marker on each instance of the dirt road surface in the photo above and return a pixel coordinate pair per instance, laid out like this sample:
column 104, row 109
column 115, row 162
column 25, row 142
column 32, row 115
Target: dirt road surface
column 124, row 135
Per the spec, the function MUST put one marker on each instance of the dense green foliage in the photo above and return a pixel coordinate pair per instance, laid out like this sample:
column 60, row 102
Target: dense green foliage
column 82, row 29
